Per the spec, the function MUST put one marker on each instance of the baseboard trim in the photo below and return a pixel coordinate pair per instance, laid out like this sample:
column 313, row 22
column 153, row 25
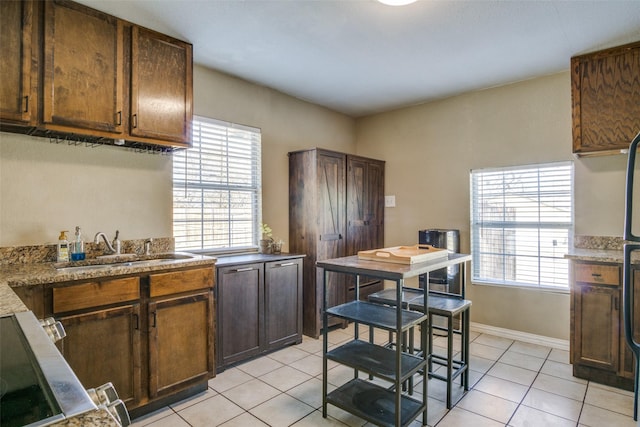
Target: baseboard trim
column 521, row 336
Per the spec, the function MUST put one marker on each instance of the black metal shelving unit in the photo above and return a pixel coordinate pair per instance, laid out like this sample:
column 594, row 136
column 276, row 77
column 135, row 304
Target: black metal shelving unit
column 383, row 406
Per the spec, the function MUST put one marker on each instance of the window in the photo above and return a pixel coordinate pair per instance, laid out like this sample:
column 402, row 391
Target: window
column 217, row 188
column 522, row 224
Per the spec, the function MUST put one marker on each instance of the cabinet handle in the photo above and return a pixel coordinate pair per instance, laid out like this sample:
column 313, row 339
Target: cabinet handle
column 153, row 325
column 119, row 118
column 135, row 316
column 615, row 303
column 596, row 275
column 239, row 270
column 26, row 104
column 134, row 120
column 285, row 264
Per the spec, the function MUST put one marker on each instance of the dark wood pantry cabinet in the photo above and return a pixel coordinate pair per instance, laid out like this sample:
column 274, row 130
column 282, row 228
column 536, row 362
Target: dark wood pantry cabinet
column 259, row 305
column 336, row 208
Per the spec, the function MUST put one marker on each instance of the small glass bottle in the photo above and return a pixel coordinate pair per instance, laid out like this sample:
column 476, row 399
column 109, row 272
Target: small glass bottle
column 77, row 247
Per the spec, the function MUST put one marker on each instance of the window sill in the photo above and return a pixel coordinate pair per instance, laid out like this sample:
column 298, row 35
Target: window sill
column 545, row 289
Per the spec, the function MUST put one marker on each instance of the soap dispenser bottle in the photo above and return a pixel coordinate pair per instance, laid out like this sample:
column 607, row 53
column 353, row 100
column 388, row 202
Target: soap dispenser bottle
column 77, row 247
column 63, row 247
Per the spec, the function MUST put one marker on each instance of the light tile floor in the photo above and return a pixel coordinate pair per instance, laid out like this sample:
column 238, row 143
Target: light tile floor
column 512, row 384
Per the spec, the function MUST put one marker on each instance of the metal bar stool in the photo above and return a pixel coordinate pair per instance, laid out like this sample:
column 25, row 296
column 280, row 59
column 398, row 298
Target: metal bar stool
column 450, row 307
column 445, row 305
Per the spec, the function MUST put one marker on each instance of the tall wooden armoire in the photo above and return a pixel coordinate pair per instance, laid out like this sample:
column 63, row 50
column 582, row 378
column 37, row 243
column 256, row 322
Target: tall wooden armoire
column 336, row 208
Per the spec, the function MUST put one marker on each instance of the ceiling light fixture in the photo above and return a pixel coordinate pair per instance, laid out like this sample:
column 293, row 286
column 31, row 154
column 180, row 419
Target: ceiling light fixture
column 397, row 2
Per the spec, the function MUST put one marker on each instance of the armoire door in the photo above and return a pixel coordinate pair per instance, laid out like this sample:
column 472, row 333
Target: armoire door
column 331, row 224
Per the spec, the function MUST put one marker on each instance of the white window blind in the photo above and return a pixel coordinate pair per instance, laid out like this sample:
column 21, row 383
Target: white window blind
column 217, row 188
column 522, row 224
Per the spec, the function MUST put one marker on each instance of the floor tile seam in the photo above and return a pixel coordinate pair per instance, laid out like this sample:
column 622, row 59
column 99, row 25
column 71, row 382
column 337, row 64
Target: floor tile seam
column 192, row 404
column 621, row 392
column 524, row 396
column 274, row 397
column 161, row 418
column 485, row 416
column 556, row 415
column 562, row 395
column 609, row 409
column 319, row 410
column 466, row 410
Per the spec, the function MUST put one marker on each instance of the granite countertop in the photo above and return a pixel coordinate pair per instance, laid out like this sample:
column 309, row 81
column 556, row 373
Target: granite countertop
column 18, row 275
column 600, row 249
column 31, row 274
column 598, row 255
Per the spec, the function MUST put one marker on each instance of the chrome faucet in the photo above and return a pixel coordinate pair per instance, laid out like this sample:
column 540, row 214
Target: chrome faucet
column 147, row 246
column 110, row 249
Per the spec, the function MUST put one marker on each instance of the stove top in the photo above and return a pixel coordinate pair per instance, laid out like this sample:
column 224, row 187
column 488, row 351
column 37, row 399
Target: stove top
column 37, row 387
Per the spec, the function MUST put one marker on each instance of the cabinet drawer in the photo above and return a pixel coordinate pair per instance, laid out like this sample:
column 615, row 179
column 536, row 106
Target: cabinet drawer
column 181, row 281
column 94, row 294
column 601, row 274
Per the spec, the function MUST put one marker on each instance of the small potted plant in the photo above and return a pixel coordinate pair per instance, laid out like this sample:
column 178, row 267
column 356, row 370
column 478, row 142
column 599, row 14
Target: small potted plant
column 276, row 246
column 267, row 239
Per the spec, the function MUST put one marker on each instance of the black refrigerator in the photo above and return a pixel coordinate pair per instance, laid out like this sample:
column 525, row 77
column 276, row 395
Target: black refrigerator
column 632, row 238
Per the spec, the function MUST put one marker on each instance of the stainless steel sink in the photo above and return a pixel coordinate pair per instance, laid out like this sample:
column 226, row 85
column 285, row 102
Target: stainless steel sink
column 156, row 259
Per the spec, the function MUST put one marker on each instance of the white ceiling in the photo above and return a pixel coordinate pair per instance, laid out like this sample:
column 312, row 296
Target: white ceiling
column 361, row 57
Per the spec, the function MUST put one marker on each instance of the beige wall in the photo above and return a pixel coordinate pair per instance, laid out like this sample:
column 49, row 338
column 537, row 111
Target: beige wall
column 287, row 124
column 431, row 148
column 45, row 188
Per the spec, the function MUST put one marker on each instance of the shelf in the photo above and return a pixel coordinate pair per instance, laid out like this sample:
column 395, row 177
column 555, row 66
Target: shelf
column 377, row 315
column 375, row 360
column 374, row 403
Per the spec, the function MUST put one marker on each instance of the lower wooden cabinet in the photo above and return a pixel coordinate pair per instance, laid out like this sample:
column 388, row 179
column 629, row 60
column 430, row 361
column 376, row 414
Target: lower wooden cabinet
column 259, row 305
column 151, row 335
column 180, row 341
column 240, row 312
column 97, row 358
column 283, row 303
column 599, row 351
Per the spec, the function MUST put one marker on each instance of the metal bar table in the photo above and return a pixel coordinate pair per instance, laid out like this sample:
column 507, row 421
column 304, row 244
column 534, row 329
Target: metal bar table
column 380, row 406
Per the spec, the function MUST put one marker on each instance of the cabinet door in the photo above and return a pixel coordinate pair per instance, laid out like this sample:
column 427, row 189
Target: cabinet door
column 331, row 218
column 365, row 215
column 180, row 342
column 16, row 30
column 161, row 87
column 104, row 346
column 596, row 326
column 605, row 93
column 241, row 312
column 283, row 302
column 365, row 205
column 83, row 69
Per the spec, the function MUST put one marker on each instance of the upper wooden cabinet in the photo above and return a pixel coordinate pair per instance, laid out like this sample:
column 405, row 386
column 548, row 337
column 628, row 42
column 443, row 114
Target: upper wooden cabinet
column 161, row 86
column 17, row 85
column 83, row 69
column 605, row 90
column 95, row 76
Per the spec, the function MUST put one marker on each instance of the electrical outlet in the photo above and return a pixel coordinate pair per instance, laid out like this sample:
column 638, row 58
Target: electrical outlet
column 389, row 201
